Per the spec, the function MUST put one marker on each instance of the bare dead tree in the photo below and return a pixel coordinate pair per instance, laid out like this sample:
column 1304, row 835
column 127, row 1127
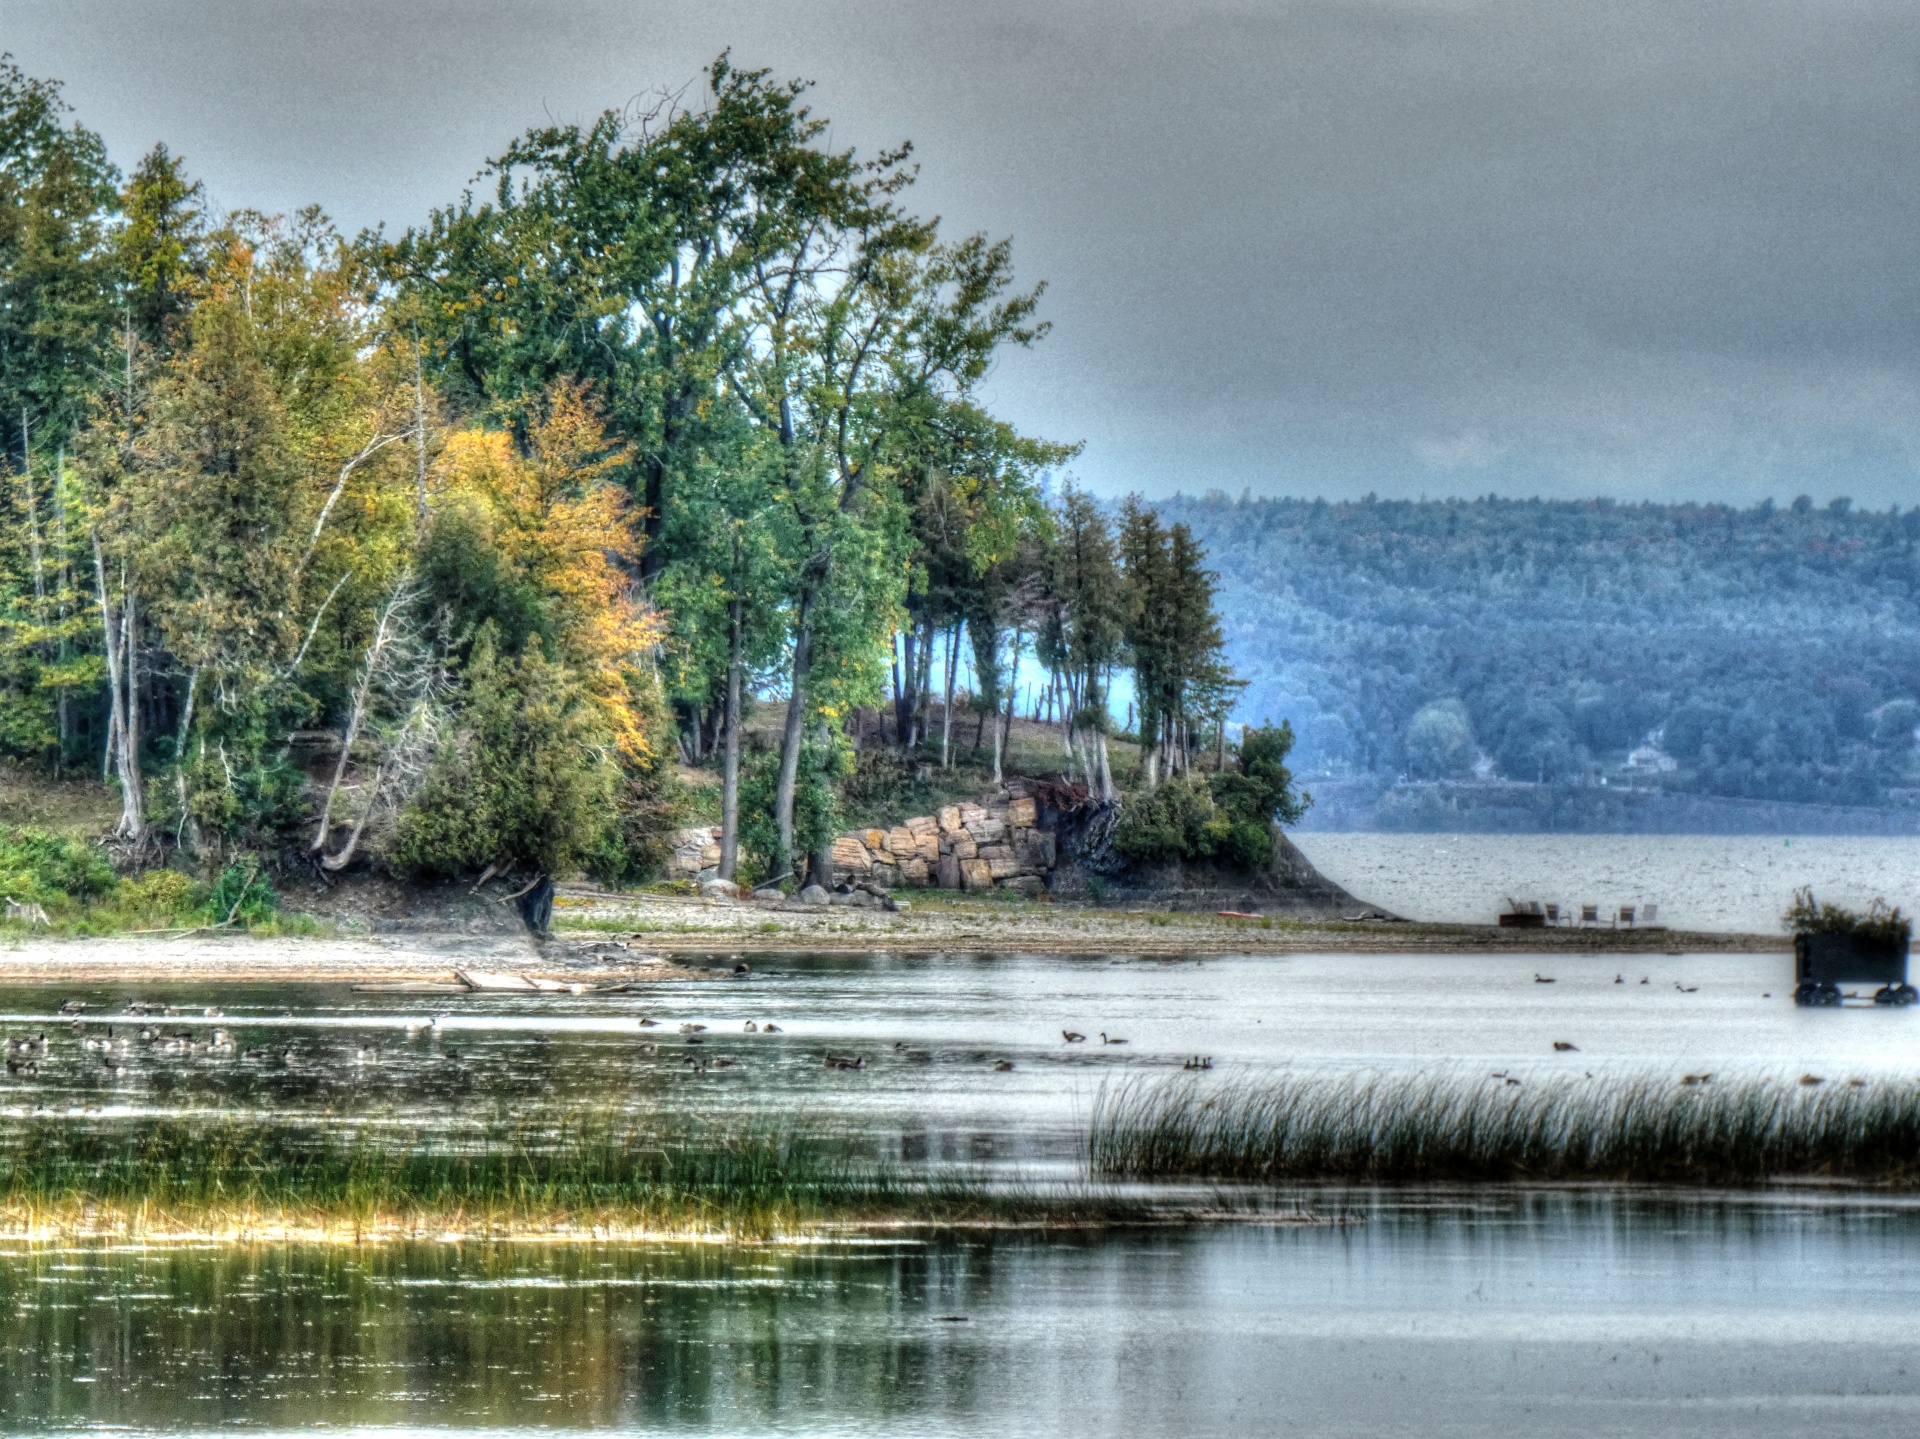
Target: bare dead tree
column 394, row 641
column 402, row 770
column 367, row 451
column 123, row 743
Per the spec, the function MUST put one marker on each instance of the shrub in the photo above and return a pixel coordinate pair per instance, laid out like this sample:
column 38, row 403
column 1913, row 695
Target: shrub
column 41, row 868
column 161, row 891
column 242, row 894
column 1165, row 824
column 816, row 810
column 529, row 779
column 1808, row 916
column 1224, row 817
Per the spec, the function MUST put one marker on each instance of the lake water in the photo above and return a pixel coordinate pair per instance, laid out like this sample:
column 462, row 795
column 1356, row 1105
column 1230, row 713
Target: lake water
column 933, row 1030
column 1740, row 883
column 1429, row 1312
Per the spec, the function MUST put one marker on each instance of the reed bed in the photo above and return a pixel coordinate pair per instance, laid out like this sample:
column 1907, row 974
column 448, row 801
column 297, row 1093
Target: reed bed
column 574, row 1174
column 1450, row 1127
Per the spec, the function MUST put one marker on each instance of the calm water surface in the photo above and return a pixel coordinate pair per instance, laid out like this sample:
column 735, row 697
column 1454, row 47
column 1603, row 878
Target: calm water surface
column 1740, row 883
column 1543, row 1314
column 932, row 1030
column 1428, row 1313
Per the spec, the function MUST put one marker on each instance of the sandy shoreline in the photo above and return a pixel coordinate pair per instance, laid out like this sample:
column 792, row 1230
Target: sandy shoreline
column 602, row 939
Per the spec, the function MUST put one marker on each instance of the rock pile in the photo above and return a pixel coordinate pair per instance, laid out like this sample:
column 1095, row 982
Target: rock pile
column 996, row 844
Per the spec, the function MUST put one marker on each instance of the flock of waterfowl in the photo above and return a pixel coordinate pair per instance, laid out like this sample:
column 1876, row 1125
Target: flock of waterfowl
column 141, row 1031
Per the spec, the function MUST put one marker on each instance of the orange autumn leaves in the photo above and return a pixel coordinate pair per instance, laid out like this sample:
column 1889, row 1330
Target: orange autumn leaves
column 559, row 521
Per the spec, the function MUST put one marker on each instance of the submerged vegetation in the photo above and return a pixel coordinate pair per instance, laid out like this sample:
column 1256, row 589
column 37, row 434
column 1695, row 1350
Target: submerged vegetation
column 1451, row 1127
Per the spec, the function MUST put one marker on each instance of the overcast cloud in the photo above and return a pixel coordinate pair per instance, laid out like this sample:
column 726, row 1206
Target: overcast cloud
column 1589, row 247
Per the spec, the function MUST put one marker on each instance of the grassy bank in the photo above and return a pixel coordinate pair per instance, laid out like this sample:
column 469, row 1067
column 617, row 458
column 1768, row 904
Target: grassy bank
column 1457, row 1128
column 567, row 1177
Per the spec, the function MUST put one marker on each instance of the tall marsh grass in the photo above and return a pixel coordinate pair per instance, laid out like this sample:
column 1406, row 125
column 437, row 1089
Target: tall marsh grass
column 1442, row 1127
column 525, row 1173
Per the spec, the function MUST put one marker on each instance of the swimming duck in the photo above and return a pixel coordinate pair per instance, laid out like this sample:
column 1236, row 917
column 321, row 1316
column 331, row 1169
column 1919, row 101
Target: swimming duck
column 1073, row 1036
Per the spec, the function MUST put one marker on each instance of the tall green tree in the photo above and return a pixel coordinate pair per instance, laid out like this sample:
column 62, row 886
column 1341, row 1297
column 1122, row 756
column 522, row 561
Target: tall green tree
column 58, row 270
column 1083, row 630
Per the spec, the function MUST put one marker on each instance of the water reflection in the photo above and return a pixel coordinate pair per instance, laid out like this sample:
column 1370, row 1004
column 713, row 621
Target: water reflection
column 1435, row 1313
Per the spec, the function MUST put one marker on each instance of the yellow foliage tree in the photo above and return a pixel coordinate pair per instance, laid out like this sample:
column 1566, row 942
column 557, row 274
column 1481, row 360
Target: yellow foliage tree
column 561, row 529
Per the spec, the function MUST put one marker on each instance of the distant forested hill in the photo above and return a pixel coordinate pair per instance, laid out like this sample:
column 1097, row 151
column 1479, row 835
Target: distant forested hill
column 1763, row 653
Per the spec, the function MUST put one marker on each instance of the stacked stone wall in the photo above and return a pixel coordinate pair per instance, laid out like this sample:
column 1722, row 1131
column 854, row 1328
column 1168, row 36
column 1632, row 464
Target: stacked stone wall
column 995, row 844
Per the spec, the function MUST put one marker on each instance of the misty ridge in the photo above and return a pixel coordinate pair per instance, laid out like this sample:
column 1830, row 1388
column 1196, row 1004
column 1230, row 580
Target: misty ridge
column 1633, row 666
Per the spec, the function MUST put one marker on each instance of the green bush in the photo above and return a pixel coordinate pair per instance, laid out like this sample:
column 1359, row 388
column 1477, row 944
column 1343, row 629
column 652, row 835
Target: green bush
column 161, row 891
column 242, row 894
column 816, row 809
column 1224, row 817
column 41, row 868
column 529, row 778
column 1167, row 823
column 1809, row 916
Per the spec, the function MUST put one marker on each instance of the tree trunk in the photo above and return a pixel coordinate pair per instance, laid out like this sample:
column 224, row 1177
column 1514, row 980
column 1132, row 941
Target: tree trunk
column 1003, row 733
column 187, row 827
column 893, row 653
column 903, row 688
column 790, row 738
column 730, row 766
column 820, row 862
column 63, row 699
column 356, row 717
column 132, row 822
column 946, row 712
column 924, row 698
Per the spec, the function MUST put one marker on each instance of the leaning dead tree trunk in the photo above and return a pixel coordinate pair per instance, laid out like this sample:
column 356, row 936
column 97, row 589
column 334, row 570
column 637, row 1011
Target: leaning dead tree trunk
column 406, row 759
column 386, row 634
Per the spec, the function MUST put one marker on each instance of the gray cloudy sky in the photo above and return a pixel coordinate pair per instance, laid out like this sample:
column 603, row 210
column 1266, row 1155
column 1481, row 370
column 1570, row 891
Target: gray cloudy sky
column 1645, row 248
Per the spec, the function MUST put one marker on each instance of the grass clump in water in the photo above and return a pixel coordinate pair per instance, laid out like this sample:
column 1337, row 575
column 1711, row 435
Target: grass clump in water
column 532, row 1174
column 1454, row 1128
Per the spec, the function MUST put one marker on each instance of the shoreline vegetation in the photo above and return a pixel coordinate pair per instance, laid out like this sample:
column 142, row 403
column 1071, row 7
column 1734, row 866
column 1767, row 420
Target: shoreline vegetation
column 1495, row 1128
column 560, row 1177
column 1197, row 1148
column 338, row 553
